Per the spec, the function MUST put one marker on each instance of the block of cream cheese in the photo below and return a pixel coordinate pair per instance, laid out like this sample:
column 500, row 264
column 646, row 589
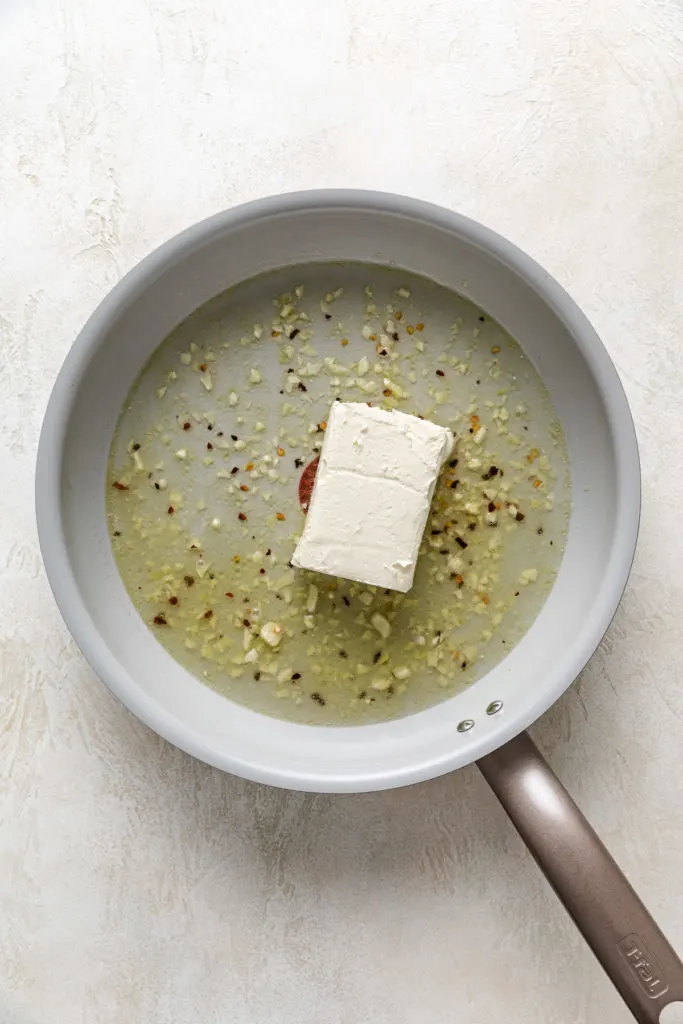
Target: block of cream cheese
column 372, row 493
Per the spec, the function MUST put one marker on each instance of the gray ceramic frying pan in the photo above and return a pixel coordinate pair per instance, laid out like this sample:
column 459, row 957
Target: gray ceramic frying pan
column 486, row 722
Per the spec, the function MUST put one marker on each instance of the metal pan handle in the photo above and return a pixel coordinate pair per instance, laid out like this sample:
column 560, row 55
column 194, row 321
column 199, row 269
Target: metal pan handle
column 635, row 954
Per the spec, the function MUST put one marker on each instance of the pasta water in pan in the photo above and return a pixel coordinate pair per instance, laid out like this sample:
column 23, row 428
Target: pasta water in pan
column 214, row 457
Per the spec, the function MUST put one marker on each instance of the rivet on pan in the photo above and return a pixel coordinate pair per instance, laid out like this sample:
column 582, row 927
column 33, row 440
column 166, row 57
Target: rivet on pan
column 465, row 725
column 494, row 707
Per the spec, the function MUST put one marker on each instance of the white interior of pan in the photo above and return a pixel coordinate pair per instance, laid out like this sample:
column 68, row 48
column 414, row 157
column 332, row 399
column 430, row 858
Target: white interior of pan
column 193, row 268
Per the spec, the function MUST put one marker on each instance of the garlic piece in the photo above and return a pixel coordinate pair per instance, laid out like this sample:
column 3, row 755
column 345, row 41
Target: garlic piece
column 271, row 632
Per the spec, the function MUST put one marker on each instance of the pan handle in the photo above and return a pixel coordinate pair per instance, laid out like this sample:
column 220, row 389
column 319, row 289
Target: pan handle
column 637, row 957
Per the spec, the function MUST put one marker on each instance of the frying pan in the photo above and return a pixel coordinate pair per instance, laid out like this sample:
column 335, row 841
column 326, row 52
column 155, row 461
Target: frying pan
column 486, row 722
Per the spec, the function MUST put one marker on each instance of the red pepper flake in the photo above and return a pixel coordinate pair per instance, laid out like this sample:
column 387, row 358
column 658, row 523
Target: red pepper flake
column 307, row 482
column 208, row 614
column 202, row 367
column 280, row 516
column 386, row 393
column 280, row 452
column 119, row 486
column 262, row 572
column 209, row 446
column 440, row 373
column 229, row 594
column 243, row 487
column 242, row 516
column 275, row 334
column 249, row 466
column 171, row 510
column 419, row 327
column 186, row 425
column 173, row 600
column 160, row 620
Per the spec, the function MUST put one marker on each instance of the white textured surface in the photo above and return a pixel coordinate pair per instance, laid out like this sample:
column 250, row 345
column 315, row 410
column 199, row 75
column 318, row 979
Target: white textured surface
column 136, row 885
